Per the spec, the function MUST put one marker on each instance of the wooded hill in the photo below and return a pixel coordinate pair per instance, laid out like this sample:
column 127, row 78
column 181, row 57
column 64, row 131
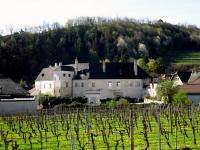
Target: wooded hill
column 23, row 54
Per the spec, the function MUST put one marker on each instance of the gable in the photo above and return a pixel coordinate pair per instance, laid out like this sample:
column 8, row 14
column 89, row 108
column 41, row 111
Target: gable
column 184, row 76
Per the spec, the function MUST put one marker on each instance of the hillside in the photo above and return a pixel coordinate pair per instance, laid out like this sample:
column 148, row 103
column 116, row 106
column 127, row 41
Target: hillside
column 24, row 53
column 183, row 57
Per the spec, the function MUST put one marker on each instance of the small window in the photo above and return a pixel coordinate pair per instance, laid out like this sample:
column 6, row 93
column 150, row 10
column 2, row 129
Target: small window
column 118, row 84
column 43, row 75
column 69, row 75
column 93, row 84
column 138, row 83
column 82, row 84
column 131, row 84
column 64, row 75
column 109, row 84
column 126, row 83
column 67, row 85
column 76, row 84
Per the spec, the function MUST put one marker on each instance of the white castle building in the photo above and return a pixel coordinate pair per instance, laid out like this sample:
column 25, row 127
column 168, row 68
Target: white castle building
column 93, row 80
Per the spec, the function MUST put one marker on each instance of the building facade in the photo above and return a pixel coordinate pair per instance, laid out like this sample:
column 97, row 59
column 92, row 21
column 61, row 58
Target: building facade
column 93, row 80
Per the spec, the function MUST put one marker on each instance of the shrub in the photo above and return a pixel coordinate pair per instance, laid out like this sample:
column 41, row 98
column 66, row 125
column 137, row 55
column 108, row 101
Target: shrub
column 122, row 101
column 51, row 101
column 181, row 97
column 117, row 101
column 105, row 101
column 82, row 100
column 112, row 103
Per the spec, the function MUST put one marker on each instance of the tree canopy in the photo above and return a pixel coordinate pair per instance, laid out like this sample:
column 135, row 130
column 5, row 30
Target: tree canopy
column 170, row 93
column 24, row 53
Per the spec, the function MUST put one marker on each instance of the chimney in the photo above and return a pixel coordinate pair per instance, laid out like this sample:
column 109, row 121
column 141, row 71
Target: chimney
column 76, row 65
column 60, row 64
column 135, row 67
column 104, row 66
column 56, row 64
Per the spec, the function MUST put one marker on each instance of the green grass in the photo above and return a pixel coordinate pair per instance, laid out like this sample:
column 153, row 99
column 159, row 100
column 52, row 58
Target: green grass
column 115, row 121
column 183, row 57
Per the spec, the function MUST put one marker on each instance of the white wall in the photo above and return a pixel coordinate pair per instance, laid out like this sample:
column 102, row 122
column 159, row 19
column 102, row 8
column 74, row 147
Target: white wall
column 22, row 105
column 93, row 98
column 45, row 87
column 149, row 101
column 152, row 90
column 177, row 81
column 63, row 83
column 60, row 85
column 128, row 87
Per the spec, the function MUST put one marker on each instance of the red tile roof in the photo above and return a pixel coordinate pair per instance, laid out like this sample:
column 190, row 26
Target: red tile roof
column 192, row 87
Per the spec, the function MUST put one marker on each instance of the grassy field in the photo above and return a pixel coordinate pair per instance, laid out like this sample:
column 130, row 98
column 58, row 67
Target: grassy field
column 181, row 57
column 103, row 128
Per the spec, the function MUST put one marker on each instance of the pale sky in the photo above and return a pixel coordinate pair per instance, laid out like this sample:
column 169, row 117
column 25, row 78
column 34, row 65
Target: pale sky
column 21, row 13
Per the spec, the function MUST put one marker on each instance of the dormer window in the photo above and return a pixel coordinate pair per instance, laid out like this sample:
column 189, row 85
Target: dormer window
column 120, row 72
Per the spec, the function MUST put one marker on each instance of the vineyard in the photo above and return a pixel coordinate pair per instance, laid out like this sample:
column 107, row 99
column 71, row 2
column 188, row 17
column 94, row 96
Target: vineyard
column 97, row 128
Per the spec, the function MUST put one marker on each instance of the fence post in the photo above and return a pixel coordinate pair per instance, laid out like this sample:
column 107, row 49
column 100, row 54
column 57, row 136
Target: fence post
column 159, row 128
column 73, row 142
column 193, row 123
column 131, row 129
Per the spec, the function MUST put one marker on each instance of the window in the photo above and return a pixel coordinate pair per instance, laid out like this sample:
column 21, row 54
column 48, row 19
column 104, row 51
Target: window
column 76, row 84
column 82, row 84
column 50, row 85
column 109, row 84
column 131, row 84
column 93, row 84
column 43, row 75
column 126, row 83
column 138, row 83
column 118, row 84
column 64, row 75
column 67, row 84
column 69, row 75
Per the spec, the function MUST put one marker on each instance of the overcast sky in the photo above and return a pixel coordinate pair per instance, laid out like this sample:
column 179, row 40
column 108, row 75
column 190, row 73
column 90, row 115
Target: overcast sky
column 20, row 13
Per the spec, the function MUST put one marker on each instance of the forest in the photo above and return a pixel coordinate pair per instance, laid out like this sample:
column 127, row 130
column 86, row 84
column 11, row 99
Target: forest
column 25, row 52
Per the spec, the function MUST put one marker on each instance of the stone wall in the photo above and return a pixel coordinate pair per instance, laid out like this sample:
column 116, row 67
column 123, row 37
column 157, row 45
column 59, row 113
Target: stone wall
column 18, row 105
